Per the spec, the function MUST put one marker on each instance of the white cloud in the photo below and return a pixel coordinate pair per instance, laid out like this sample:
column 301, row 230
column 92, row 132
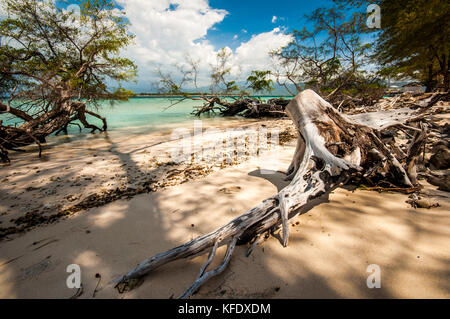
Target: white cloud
column 165, row 36
column 274, row 19
column 169, row 30
column 254, row 54
column 235, row 37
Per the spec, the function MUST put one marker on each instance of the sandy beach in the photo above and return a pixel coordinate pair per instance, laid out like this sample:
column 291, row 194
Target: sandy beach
column 330, row 249
column 231, row 152
column 107, row 166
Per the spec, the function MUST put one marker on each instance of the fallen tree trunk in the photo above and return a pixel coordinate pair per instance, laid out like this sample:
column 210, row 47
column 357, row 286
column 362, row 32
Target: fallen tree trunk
column 332, row 150
column 36, row 130
column 247, row 107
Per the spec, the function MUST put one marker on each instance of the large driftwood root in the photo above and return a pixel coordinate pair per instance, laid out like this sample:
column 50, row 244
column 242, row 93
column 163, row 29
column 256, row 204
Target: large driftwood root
column 331, row 151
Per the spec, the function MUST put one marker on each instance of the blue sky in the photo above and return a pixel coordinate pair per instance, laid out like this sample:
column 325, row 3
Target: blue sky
column 255, row 16
column 246, row 18
column 168, row 31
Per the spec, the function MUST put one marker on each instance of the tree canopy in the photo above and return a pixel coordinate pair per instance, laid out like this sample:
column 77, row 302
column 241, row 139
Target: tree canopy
column 55, row 62
column 46, row 48
column 413, row 41
column 326, row 56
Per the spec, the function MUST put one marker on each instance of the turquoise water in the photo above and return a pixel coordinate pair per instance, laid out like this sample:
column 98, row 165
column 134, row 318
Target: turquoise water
column 134, row 114
column 138, row 114
column 150, row 113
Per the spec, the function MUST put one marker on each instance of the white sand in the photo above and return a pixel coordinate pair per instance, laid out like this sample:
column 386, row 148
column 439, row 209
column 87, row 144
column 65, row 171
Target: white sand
column 70, row 172
column 328, row 254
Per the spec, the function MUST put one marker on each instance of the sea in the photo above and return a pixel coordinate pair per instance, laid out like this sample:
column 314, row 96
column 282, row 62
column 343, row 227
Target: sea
column 141, row 115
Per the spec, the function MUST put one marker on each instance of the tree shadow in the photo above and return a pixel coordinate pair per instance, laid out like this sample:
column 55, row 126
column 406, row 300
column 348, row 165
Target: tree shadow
column 338, row 236
column 277, row 178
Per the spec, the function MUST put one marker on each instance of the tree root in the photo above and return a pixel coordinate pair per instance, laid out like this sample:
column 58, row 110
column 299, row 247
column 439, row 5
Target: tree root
column 331, row 151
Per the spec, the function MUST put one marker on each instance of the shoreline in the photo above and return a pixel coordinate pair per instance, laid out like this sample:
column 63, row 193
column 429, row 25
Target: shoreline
column 197, row 95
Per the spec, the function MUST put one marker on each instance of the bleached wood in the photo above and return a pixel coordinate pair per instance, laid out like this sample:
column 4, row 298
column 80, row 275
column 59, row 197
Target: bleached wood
column 314, row 171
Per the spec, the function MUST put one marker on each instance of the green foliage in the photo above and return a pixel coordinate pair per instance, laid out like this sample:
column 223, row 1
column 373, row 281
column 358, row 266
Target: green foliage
column 47, row 50
column 328, row 54
column 220, row 71
column 231, row 86
column 414, row 41
column 121, row 94
column 258, row 81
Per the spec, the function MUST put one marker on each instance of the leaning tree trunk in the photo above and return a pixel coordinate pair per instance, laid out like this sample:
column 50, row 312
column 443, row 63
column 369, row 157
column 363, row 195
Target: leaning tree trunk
column 36, row 130
column 331, row 151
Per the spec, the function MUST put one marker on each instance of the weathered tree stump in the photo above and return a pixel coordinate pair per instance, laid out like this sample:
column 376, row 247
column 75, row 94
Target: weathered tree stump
column 332, row 150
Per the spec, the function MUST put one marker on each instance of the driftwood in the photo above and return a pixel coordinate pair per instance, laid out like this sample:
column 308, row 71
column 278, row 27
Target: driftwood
column 363, row 104
column 247, row 107
column 36, row 129
column 332, row 150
